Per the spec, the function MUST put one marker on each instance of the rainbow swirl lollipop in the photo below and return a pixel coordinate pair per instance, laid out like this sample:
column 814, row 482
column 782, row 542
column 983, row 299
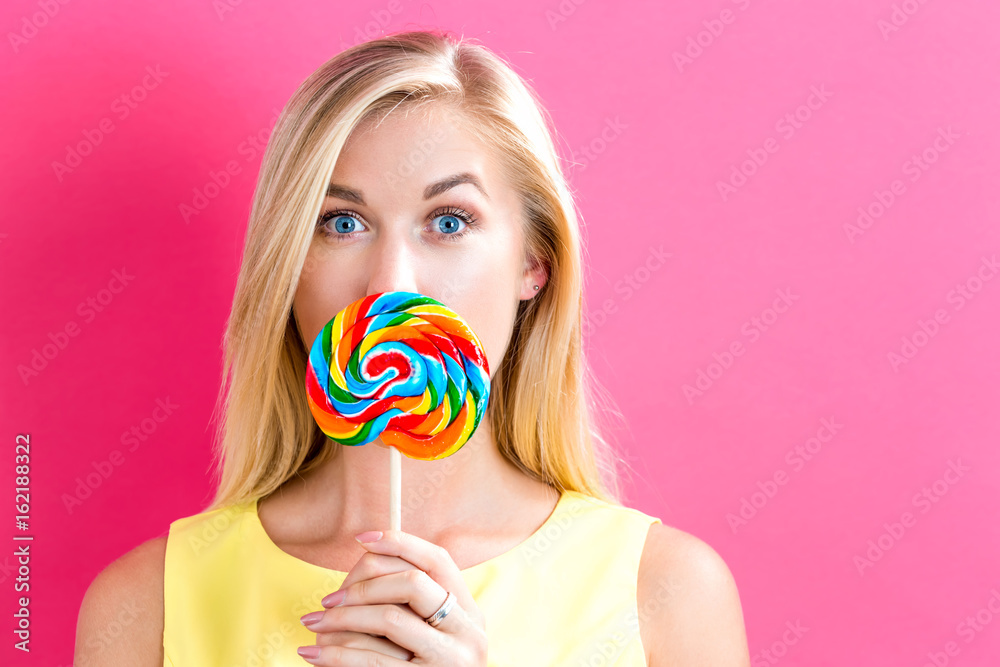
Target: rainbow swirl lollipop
column 401, row 366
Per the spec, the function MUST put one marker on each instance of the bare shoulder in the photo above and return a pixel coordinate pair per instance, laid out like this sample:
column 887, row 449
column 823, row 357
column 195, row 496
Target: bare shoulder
column 121, row 616
column 689, row 606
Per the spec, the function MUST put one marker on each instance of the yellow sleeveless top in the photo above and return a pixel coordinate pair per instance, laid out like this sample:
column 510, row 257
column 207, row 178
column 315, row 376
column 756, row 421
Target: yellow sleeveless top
column 564, row 596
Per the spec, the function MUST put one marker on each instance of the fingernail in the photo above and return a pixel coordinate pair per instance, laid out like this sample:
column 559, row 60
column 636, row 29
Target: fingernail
column 309, row 651
column 311, row 617
column 334, row 599
column 370, row 536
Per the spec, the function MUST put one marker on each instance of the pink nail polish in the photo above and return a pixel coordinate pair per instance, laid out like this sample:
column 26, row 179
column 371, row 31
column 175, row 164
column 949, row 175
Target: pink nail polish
column 369, row 536
column 309, row 651
column 334, row 599
column 311, row 617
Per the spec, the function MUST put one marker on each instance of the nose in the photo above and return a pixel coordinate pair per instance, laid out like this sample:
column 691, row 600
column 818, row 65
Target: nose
column 393, row 265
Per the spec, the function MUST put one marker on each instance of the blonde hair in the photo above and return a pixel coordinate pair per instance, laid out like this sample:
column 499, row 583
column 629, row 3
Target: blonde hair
column 543, row 396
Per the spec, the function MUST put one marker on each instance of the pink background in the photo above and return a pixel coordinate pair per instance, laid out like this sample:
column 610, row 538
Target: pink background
column 661, row 137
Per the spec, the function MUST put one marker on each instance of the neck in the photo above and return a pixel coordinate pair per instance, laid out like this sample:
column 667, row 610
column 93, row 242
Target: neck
column 472, row 487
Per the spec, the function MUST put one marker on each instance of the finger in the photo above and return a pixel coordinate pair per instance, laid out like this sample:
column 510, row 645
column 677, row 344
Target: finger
column 348, row 657
column 372, row 565
column 396, row 623
column 429, row 557
column 413, row 587
column 360, row 640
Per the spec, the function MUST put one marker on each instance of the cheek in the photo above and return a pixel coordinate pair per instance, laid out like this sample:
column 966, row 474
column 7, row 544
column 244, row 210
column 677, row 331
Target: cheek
column 484, row 293
column 494, row 328
column 316, row 299
column 306, row 318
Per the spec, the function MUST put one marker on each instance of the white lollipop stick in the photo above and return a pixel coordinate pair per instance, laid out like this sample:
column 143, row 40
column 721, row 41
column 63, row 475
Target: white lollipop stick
column 395, row 476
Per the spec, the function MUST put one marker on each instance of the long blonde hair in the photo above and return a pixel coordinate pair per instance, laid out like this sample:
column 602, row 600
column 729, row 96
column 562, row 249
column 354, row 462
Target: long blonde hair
column 543, row 397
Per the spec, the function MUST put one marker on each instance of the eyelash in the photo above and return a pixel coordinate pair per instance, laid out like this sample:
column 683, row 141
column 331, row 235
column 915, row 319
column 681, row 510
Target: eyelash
column 461, row 214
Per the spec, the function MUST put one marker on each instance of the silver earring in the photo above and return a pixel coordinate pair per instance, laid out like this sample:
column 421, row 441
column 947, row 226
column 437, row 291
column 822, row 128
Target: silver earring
column 536, row 286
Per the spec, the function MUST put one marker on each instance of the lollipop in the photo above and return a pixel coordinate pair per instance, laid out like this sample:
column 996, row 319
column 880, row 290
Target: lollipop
column 403, row 367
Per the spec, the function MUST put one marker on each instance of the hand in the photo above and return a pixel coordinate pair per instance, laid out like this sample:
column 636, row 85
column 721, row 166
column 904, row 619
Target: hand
column 382, row 604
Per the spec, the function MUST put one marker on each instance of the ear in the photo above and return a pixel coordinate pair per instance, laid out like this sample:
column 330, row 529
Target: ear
column 535, row 273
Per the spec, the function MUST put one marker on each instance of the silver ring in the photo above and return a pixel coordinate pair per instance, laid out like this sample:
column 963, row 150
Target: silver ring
column 446, row 607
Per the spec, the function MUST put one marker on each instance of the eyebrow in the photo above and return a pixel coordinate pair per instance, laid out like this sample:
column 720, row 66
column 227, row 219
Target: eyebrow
column 431, row 191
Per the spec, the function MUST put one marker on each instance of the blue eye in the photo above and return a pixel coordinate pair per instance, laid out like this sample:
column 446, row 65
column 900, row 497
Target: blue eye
column 344, row 224
column 449, row 223
column 347, row 224
column 450, row 219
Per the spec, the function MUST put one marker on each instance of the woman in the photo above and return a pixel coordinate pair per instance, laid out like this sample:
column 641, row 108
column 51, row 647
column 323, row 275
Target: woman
column 421, row 163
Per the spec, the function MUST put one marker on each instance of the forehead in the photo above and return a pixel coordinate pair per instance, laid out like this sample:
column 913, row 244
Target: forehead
column 416, row 145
